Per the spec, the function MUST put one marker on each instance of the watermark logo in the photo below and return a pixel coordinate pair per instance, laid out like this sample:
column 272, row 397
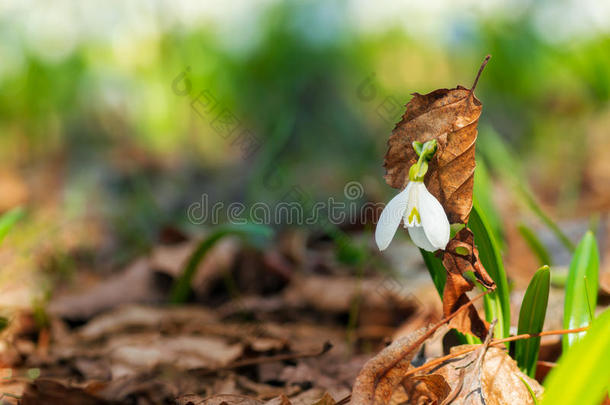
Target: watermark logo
column 219, row 117
column 387, row 106
column 353, row 190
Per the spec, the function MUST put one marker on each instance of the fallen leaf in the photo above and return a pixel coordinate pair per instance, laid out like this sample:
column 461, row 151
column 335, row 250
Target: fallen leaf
column 432, row 388
column 135, row 284
column 138, row 317
column 221, row 399
column 49, row 392
column 325, row 400
column 281, row 400
column 450, row 116
column 486, row 376
column 379, row 378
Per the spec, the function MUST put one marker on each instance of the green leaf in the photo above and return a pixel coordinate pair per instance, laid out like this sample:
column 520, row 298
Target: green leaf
column 534, row 243
column 436, row 269
column 581, row 288
column 482, row 192
column 8, row 219
column 582, row 375
column 497, row 304
column 3, row 323
column 531, row 320
column 182, row 286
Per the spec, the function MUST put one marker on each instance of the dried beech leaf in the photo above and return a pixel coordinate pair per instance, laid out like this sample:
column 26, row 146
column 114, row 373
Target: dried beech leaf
column 47, row 392
column 327, row 399
column 456, row 286
column 221, row 399
column 281, row 400
column 381, row 375
column 450, row 116
column 432, row 388
column 486, row 376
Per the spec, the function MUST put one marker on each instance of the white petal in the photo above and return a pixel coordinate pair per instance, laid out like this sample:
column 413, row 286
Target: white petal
column 418, row 236
column 434, row 220
column 390, row 218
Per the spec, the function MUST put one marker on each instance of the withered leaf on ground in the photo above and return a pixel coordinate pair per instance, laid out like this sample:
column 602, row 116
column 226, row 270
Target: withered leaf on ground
column 431, row 388
column 379, row 378
column 486, row 376
column 450, row 116
column 222, row 399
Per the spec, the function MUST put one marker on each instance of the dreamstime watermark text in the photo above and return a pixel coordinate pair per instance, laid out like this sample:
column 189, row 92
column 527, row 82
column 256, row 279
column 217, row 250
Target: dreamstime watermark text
column 350, row 211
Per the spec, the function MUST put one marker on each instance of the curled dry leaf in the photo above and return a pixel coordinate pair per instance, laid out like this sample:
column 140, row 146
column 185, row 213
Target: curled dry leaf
column 450, row 116
column 380, row 377
column 486, row 376
column 460, row 256
column 427, row 388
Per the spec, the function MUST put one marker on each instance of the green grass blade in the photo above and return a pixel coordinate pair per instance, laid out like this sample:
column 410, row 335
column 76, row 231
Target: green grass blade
column 582, row 375
column 497, row 304
column 182, row 286
column 530, row 390
column 581, row 288
column 436, row 269
column 8, row 220
column 530, row 200
column 534, row 243
column 502, row 159
column 531, row 320
column 483, row 191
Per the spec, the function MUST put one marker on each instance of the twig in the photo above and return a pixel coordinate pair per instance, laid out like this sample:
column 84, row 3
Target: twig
column 476, row 79
column 496, row 342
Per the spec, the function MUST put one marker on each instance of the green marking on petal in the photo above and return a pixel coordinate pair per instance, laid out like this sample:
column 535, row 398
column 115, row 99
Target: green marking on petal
column 415, row 213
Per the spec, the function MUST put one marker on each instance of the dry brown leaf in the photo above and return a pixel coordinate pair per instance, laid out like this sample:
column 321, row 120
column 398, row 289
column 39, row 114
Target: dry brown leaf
column 222, row 399
column 432, row 388
column 308, row 397
column 327, row 399
column 454, row 295
column 337, row 293
column 281, row 400
column 450, row 116
column 136, row 284
column 48, row 392
column 139, row 317
column 380, row 376
column 486, row 376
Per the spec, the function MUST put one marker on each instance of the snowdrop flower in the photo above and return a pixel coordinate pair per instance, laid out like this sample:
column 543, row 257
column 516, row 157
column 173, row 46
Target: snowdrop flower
column 420, row 211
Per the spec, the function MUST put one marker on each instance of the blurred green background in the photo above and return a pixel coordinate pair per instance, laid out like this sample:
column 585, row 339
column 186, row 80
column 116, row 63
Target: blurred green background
column 130, row 111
